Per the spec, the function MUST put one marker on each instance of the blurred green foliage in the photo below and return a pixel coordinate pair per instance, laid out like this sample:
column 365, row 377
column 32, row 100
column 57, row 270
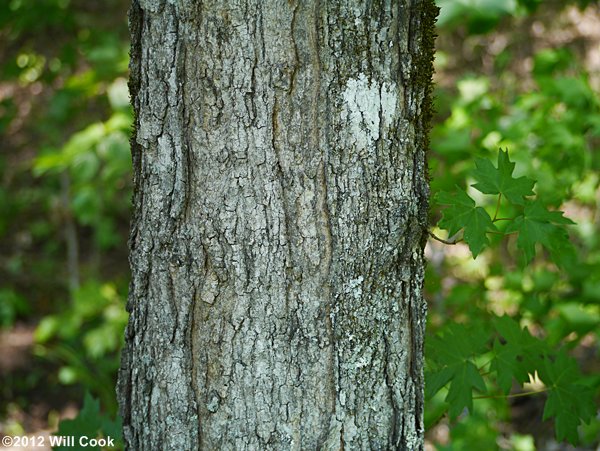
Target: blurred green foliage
column 91, row 423
column 481, row 16
column 85, row 338
column 513, row 333
column 65, row 194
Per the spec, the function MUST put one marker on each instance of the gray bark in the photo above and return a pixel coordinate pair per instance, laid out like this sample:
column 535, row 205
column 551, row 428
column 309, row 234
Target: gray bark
column 279, row 220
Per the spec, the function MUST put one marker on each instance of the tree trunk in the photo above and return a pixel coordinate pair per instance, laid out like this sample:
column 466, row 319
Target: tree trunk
column 280, row 214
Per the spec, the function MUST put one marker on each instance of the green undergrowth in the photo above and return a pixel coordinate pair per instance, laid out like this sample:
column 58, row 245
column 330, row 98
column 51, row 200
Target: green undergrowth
column 513, row 282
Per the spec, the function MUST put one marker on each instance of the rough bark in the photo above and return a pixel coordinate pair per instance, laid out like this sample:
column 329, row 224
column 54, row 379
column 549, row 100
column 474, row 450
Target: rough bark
column 279, row 217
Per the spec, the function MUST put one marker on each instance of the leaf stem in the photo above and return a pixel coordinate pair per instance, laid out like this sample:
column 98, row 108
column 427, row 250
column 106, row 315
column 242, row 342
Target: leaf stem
column 502, row 219
column 497, row 207
column 502, row 233
column 516, row 395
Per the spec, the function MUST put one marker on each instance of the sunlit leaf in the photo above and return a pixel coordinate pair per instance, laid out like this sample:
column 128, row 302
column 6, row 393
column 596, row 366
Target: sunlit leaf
column 499, row 180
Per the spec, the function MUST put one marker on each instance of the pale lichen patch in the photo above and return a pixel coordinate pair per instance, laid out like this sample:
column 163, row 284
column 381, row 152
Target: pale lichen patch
column 365, row 105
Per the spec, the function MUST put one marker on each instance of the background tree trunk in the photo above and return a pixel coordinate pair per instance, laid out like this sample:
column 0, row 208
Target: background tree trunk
column 280, row 211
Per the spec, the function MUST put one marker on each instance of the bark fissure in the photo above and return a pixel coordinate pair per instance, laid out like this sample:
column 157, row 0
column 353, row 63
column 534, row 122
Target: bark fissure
column 276, row 244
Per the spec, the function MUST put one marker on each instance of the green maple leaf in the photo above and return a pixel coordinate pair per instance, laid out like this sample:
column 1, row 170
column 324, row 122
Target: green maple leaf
column 539, row 225
column 499, row 180
column 90, row 422
column 460, row 393
column 569, row 401
column 462, row 213
column 516, row 357
column 86, row 423
column 451, row 354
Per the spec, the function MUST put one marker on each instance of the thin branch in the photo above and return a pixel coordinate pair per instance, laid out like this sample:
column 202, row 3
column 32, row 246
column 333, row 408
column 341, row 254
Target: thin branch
column 70, row 231
column 437, row 238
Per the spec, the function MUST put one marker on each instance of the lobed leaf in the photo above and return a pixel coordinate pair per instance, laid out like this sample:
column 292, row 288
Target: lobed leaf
column 569, row 401
column 517, row 356
column 462, row 213
column 539, row 225
column 451, row 354
column 499, row 180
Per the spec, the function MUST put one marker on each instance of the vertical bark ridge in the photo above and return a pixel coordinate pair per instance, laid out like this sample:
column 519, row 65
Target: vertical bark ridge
column 276, row 244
